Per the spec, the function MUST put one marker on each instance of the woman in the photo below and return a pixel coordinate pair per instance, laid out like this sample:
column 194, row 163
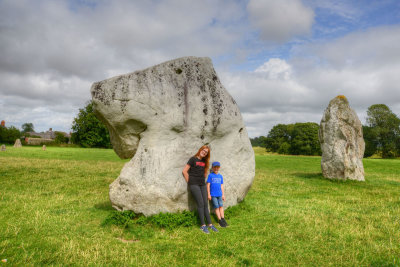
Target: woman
column 195, row 173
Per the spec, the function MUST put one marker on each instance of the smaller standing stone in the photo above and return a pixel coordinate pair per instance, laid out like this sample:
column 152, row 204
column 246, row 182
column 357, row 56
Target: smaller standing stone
column 342, row 142
column 17, row 143
column 3, row 147
column 44, row 147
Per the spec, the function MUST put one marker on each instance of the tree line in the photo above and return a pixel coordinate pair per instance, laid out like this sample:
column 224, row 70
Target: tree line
column 292, row 139
column 381, row 136
column 87, row 131
column 8, row 135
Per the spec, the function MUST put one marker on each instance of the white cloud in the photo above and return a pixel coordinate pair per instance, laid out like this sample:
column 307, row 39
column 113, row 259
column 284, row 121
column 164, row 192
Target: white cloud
column 270, row 85
column 271, row 95
column 363, row 66
column 48, row 36
column 52, row 51
column 21, row 110
column 275, row 68
column 281, row 20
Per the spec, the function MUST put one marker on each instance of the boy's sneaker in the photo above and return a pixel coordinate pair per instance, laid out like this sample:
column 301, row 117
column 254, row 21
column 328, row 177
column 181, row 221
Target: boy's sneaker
column 224, row 222
column 204, row 229
column 221, row 223
column 212, row 227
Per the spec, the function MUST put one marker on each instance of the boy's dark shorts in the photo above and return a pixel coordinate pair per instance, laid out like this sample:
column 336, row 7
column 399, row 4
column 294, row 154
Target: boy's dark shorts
column 217, row 202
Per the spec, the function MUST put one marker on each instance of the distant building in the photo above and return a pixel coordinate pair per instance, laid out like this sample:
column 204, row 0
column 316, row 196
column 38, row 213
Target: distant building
column 34, row 138
column 37, row 141
column 50, row 134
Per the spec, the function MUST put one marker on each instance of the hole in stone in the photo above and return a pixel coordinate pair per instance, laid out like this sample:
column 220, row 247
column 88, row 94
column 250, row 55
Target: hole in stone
column 178, row 71
column 202, row 137
column 145, row 150
column 241, row 129
column 177, row 129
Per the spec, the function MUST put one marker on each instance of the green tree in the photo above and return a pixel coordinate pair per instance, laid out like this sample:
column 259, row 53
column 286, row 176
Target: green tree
column 279, row 134
column 295, row 139
column 284, row 148
column 304, row 139
column 385, row 129
column 258, row 141
column 9, row 135
column 371, row 145
column 27, row 127
column 88, row 131
column 60, row 138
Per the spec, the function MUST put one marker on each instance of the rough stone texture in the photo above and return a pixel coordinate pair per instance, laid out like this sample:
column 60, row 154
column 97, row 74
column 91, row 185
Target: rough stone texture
column 161, row 116
column 17, row 143
column 3, row 147
column 342, row 143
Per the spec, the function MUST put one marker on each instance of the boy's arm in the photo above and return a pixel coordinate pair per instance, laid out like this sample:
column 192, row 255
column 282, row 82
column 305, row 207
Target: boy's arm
column 208, row 191
column 223, row 193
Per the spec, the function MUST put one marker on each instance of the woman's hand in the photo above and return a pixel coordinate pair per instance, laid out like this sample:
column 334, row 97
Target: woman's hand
column 223, row 197
column 185, row 173
column 209, row 197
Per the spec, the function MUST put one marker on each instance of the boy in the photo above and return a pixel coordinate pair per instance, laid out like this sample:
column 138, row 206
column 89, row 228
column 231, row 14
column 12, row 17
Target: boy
column 215, row 189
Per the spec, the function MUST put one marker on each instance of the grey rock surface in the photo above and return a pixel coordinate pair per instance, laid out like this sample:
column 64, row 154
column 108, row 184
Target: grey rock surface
column 17, row 143
column 342, row 143
column 160, row 117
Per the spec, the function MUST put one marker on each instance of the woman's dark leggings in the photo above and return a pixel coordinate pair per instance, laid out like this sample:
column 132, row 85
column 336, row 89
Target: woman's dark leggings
column 199, row 193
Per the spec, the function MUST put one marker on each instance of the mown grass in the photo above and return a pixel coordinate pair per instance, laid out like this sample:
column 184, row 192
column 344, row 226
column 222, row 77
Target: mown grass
column 54, row 203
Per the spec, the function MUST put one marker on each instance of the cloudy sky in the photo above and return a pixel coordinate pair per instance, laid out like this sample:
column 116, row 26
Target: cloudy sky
column 283, row 61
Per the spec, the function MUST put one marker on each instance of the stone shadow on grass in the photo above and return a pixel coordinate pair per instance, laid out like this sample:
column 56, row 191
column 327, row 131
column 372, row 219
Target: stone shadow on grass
column 310, row 175
column 106, row 205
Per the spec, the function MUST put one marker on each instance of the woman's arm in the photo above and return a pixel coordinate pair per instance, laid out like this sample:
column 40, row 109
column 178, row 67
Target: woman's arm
column 185, row 173
column 223, row 193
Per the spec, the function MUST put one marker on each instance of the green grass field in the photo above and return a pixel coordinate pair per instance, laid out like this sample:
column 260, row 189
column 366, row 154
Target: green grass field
column 53, row 203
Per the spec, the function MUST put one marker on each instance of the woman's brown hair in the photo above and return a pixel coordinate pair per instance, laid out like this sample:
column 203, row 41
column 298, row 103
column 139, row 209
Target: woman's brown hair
column 206, row 158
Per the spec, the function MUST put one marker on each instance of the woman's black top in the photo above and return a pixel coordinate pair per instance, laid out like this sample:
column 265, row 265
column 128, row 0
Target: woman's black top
column 196, row 171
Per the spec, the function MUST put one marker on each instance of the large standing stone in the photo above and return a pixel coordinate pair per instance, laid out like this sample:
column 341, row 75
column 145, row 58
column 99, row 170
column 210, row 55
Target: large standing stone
column 3, row 148
column 342, row 142
column 161, row 116
column 17, row 143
